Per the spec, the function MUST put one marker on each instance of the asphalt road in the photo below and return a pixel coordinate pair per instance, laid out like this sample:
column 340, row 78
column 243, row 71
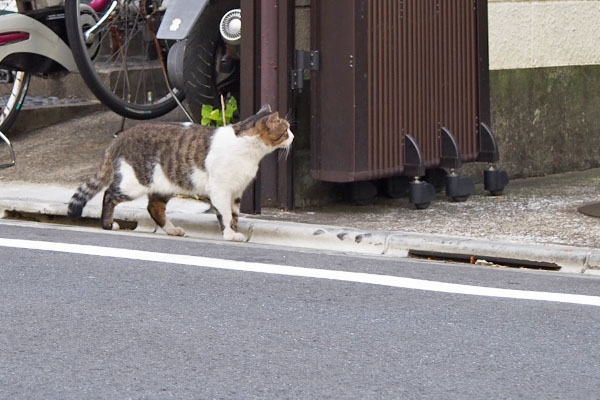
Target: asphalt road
column 89, row 314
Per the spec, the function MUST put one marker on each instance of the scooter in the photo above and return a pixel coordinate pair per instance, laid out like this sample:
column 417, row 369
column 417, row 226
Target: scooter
column 205, row 59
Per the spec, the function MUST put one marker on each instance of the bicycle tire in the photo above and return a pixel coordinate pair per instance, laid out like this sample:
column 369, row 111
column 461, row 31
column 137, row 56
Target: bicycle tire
column 201, row 61
column 10, row 103
column 120, row 31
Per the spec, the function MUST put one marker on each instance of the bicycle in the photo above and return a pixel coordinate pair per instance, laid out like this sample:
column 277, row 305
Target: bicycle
column 115, row 46
column 123, row 39
column 13, row 87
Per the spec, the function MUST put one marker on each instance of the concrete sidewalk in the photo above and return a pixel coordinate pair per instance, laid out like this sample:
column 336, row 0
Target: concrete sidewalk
column 535, row 222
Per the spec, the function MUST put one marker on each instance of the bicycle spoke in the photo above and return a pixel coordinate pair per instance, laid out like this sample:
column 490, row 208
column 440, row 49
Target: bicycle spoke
column 124, row 54
column 12, row 94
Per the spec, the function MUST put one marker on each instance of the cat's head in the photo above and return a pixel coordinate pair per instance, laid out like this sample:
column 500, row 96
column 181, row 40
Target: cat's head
column 266, row 125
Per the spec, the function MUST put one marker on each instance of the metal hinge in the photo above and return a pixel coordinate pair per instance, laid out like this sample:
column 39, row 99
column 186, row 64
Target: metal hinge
column 305, row 60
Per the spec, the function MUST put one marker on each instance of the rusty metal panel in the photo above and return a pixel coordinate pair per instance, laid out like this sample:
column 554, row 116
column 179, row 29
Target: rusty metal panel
column 416, row 69
column 334, row 132
column 249, row 89
column 274, row 185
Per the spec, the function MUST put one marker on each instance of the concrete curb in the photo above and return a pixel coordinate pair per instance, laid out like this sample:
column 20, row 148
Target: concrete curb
column 191, row 216
column 570, row 259
column 35, row 117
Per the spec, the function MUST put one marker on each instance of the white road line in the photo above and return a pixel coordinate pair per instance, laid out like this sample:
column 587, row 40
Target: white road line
column 345, row 276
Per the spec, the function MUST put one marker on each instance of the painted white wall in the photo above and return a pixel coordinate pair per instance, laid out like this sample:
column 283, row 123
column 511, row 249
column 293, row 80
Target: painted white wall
column 8, row 6
column 543, row 33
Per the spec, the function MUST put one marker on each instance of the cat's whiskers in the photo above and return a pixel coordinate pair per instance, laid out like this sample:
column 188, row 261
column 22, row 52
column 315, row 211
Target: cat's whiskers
column 290, row 117
column 284, row 153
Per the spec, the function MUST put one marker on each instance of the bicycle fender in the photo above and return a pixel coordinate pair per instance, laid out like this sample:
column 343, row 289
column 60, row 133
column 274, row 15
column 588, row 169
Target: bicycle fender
column 42, row 40
column 179, row 19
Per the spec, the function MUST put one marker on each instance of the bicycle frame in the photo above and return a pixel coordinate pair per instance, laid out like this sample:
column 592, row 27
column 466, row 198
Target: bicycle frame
column 11, row 150
column 20, row 33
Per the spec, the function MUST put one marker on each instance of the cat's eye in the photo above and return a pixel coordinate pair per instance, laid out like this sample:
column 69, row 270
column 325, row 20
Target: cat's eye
column 285, row 132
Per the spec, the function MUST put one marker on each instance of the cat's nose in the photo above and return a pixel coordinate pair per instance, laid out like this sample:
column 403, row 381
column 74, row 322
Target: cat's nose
column 290, row 136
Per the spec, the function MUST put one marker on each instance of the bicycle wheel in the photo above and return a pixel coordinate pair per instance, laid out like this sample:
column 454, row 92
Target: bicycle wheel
column 13, row 88
column 120, row 61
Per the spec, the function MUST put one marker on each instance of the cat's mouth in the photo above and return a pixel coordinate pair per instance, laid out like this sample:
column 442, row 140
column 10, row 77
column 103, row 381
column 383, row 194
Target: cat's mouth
column 286, row 145
column 290, row 138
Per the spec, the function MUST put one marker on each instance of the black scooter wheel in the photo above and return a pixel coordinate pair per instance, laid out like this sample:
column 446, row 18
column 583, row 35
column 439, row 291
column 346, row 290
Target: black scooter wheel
column 206, row 78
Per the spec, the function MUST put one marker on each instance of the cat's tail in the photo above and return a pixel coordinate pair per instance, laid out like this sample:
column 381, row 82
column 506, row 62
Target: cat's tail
column 89, row 189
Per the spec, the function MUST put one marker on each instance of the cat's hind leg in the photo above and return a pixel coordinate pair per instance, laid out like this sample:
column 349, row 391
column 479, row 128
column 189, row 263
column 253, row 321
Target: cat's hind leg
column 156, row 207
column 112, row 197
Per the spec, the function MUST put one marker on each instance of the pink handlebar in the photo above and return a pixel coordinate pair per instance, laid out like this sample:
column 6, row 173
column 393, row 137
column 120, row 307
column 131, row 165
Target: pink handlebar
column 99, row 5
column 13, row 37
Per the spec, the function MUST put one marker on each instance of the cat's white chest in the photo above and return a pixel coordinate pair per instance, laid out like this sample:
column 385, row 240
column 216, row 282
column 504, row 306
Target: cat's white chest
column 199, row 179
column 232, row 161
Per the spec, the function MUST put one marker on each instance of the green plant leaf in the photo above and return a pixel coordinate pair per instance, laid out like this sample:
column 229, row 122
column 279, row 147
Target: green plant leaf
column 206, row 110
column 232, row 104
column 215, row 115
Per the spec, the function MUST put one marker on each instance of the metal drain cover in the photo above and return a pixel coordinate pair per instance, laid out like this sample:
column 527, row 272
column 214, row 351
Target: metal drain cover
column 592, row 210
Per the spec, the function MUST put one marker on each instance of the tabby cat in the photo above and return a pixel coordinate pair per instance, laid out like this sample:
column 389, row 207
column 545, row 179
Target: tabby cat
column 162, row 160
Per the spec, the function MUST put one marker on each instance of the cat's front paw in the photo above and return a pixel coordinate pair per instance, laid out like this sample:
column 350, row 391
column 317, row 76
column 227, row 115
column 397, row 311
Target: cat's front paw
column 110, row 226
column 234, row 236
column 175, row 231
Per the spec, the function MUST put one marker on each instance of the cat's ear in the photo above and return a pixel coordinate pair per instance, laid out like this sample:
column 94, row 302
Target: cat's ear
column 261, row 123
column 274, row 116
column 265, row 108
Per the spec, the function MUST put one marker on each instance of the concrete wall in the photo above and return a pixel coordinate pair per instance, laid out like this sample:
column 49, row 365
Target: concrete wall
column 545, row 84
column 546, row 120
column 545, row 90
column 543, row 33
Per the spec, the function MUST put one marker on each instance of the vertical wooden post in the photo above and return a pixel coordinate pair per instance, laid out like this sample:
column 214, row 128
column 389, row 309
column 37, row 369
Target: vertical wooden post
column 286, row 106
column 250, row 87
column 277, row 49
column 267, row 57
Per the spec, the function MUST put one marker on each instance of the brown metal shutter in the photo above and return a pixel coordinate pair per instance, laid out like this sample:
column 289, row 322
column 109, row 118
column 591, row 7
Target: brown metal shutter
column 391, row 68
